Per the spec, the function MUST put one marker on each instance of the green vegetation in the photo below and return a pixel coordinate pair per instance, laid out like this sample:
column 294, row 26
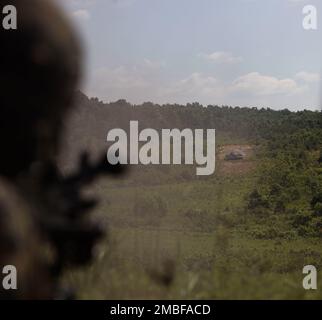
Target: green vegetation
column 244, row 232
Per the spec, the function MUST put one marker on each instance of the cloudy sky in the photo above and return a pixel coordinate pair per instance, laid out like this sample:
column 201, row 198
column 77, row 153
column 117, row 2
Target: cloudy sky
column 231, row 52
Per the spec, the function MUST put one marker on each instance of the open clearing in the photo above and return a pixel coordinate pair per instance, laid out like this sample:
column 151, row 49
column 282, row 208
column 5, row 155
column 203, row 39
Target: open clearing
column 236, row 167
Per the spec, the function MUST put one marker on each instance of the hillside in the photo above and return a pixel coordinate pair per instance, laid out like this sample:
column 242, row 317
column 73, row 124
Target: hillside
column 246, row 231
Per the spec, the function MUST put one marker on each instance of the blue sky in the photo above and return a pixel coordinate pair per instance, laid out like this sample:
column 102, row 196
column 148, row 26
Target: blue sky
column 231, row 52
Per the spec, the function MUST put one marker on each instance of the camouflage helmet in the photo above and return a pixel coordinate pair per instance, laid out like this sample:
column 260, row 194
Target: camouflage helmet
column 39, row 71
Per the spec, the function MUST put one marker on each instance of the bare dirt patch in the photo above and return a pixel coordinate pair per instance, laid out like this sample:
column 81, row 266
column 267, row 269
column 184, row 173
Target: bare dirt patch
column 236, row 167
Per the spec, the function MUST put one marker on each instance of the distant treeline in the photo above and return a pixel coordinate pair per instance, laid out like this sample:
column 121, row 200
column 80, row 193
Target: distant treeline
column 92, row 120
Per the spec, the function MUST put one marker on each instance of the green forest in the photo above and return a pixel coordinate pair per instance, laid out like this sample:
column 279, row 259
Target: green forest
column 245, row 232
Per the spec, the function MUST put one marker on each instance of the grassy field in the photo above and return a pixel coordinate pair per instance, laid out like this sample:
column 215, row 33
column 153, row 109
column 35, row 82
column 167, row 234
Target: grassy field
column 173, row 235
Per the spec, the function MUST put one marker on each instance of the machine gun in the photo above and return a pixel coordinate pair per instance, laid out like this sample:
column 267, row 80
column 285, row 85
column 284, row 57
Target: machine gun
column 63, row 215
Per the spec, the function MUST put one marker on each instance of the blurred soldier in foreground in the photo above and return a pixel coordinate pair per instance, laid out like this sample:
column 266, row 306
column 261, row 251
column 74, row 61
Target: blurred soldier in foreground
column 44, row 228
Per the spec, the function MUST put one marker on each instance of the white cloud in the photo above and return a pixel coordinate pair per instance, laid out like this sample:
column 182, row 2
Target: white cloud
column 251, row 89
column 195, row 84
column 261, row 85
column 144, row 82
column 252, row 84
column 82, row 14
column 120, row 78
column 130, row 83
column 195, row 87
column 221, row 57
column 308, row 77
column 154, row 64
